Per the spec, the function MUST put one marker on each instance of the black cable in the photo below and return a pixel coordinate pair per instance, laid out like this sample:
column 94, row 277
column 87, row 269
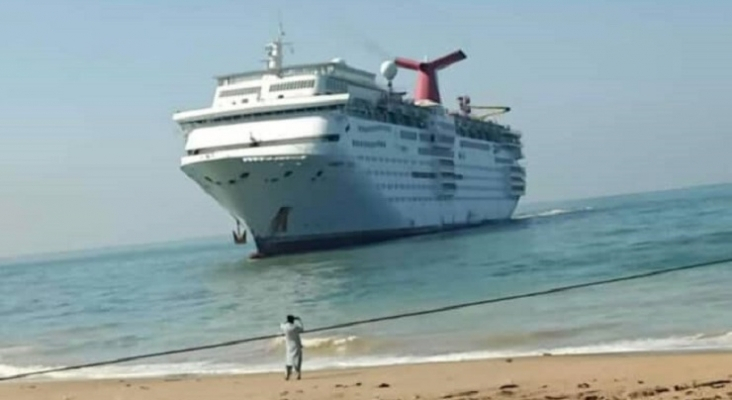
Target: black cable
column 377, row 319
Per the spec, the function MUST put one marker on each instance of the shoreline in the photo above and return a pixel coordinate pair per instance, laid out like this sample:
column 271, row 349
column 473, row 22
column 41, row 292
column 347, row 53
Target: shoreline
column 519, row 356
column 668, row 374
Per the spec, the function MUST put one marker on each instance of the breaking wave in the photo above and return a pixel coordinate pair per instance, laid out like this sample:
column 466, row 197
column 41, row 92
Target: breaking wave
column 720, row 341
column 331, row 345
column 551, row 213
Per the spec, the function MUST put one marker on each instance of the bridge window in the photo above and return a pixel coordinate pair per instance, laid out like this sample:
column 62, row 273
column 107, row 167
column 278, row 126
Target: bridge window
column 295, row 85
column 240, row 91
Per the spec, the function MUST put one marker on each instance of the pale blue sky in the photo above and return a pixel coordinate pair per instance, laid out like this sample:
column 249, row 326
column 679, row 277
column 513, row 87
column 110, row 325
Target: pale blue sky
column 612, row 97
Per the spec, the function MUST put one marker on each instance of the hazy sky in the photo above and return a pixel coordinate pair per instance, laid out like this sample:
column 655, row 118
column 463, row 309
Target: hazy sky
column 611, row 96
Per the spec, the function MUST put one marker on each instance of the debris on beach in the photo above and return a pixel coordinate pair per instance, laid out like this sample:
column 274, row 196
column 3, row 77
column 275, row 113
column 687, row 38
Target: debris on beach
column 718, row 384
column 507, row 389
column 460, row 394
column 661, row 389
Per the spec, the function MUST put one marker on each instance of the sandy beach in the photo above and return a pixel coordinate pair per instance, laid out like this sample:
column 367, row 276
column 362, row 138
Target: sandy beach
column 698, row 376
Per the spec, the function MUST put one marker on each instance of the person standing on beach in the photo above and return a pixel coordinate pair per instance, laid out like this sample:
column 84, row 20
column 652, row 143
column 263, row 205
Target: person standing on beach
column 293, row 345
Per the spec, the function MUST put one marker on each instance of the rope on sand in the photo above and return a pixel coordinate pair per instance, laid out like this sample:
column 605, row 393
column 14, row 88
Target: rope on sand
column 379, row 319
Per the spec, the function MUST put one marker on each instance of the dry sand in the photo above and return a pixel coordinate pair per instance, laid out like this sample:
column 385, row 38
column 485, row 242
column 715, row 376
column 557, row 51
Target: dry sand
column 641, row 376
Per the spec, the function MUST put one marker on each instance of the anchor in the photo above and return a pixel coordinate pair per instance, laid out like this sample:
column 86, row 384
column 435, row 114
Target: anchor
column 240, row 236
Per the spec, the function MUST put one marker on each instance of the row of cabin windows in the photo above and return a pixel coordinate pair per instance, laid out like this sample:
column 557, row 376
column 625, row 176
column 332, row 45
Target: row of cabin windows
column 448, row 185
column 433, row 199
column 413, row 199
column 431, row 175
column 482, row 188
column 371, row 144
column 444, row 162
column 408, row 135
column 490, row 177
column 479, row 134
column 427, row 137
column 400, row 186
column 393, row 160
column 479, row 146
column 436, row 151
column 477, row 167
column 386, row 173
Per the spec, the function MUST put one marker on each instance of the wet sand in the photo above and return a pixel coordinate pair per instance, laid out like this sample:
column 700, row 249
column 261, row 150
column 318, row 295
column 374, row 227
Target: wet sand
column 699, row 376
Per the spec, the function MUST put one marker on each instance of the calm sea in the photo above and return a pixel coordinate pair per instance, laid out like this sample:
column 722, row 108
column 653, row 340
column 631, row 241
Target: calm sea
column 91, row 306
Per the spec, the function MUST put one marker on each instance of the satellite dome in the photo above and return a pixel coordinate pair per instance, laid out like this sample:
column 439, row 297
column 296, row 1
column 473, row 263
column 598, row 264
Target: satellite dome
column 388, row 70
column 338, row 60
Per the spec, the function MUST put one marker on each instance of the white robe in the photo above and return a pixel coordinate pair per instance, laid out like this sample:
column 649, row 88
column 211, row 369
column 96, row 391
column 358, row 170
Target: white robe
column 293, row 344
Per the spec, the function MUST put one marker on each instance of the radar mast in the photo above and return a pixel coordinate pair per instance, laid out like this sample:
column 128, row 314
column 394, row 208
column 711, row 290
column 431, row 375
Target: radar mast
column 275, row 49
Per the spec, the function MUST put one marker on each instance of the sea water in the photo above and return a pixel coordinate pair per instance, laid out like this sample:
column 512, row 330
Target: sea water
column 91, row 306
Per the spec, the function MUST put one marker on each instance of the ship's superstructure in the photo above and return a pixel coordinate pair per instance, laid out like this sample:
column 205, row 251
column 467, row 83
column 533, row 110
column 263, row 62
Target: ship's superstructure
column 320, row 156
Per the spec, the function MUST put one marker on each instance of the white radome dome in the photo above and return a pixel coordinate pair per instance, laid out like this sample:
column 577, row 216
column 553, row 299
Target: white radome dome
column 388, row 70
column 338, row 60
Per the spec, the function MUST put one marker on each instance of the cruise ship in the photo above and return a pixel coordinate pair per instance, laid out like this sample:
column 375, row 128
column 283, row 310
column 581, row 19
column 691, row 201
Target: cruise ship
column 318, row 156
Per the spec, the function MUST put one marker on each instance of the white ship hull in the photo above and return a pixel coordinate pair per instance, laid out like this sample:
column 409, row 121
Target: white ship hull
column 297, row 189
